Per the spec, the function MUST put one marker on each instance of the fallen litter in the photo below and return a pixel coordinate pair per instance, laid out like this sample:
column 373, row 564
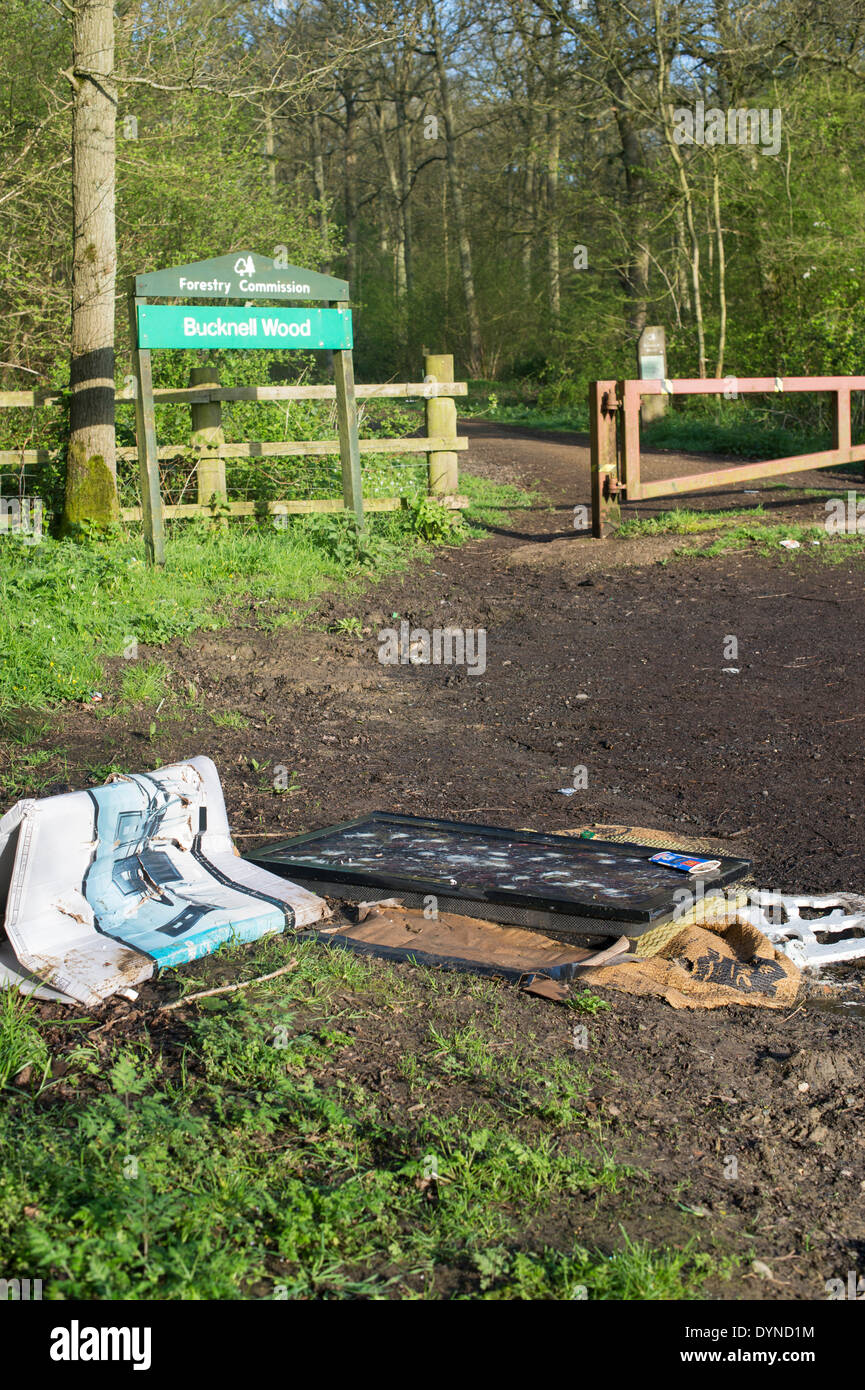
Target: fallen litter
column 709, row 967
column 101, row 888
column 554, row 883
column 229, row 989
column 841, row 917
column 685, row 863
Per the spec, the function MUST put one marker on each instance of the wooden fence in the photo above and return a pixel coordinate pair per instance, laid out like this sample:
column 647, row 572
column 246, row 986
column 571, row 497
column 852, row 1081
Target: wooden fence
column 208, row 449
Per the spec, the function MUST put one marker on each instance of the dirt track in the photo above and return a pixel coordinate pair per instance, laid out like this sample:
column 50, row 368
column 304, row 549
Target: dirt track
column 770, row 758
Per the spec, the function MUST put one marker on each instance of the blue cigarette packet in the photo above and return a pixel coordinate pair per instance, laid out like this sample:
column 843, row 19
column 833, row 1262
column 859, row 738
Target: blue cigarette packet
column 685, row 863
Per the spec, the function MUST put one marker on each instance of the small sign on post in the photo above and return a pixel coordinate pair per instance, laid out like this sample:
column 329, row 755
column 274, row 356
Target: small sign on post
column 652, row 366
column 247, row 276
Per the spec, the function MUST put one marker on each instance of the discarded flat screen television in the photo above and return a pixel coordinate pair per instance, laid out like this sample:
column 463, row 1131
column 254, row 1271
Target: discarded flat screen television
column 554, row 883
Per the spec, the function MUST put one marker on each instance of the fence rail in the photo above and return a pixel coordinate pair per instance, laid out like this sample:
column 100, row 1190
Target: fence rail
column 170, row 395
column 614, row 410
column 208, row 449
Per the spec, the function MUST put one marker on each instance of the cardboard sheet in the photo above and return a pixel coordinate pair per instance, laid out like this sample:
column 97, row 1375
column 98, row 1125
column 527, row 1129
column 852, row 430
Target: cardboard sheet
column 454, row 942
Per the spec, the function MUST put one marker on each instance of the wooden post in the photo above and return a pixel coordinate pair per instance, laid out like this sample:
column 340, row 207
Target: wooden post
column 630, row 405
column 152, row 523
column 602, row 421
column 346, row 415
column 841, row 432
column 441, row 422
column 207, row 433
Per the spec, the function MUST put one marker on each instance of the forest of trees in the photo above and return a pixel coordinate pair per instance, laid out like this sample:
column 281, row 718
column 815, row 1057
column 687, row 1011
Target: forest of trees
column 506, row 180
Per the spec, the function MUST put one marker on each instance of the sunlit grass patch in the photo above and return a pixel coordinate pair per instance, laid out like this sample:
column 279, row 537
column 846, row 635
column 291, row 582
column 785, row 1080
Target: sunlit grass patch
column 634, row 1272
column 683, row 521
column 230, row 719
column 813, row 544
column 145, row 683
column 21, row 1043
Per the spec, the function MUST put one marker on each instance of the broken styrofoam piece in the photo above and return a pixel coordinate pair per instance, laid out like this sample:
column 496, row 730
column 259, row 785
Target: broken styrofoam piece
column 101, row 888
column 799, row 937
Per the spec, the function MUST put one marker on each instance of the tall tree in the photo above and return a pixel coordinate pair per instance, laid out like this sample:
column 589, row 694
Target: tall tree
column 91, row 487
column 455, row 185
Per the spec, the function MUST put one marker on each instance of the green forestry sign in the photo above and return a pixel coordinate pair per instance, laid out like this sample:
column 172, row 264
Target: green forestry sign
column 186, row 326
column 247, row 276
column 242, row 275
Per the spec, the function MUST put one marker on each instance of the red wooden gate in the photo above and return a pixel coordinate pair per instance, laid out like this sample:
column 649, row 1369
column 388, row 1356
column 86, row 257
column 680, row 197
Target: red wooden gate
column 614, row 408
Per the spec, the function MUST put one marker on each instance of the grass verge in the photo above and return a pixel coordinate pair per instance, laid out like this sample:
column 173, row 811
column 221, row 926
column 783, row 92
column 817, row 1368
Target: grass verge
column 66, row 607
column 738, row 530
column 243, row 1153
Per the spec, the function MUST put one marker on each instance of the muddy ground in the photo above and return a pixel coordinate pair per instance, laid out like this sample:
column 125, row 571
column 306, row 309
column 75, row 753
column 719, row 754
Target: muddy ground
column 770, row 759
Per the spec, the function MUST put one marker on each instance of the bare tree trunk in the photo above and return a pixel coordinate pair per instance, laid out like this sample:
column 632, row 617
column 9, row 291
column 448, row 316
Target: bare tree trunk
column 530, row 214
column 664, row 112
column 529, row 218
column 91, row 487
column 270, row 148
column 400, row 265
column 695, row 256
column 456, row 192
column 349, row 150
column 320, row 187
column 683, row 287
column 637, row 271
column 553, row 144
column 554, row 139
column 722, row 272
column 446, row 250
column 403, row 126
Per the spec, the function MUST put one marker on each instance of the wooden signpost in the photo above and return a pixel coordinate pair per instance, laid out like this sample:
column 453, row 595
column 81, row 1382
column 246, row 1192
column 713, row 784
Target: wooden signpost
column 249, row 277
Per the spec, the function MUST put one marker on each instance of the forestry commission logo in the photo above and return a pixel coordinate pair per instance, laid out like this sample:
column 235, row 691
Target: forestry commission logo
column 244, row 265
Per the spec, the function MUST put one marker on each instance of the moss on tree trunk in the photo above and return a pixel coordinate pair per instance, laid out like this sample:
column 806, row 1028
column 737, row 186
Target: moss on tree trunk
column 91, row 492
